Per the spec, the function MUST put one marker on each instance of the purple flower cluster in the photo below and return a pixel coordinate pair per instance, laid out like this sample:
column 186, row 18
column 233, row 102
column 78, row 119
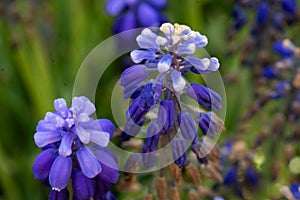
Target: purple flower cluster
column 73, row 145
column 135, row 13
column 239, row 171
column 277, row 13
column 166, row 54
column 284, row 75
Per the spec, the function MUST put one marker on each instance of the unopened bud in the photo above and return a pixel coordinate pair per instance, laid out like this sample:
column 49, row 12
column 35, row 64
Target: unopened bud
column 176, row 173
column 239, row 150
column 213, row 173
column 264, row 133
column 275, row 170
column 133, row 163
column 187, row 126
column 179, row 151
column 296, row 131
column 161, row 188
column 278, row 123
column 193, row 195
column 214, row 158
column 193, row 174
column 174, row 194
column 297, row 52
column 130, row 185
column 296, row 80
column 203, row 191
column 296, row 107
column 289, row 152
column 201, row 148
column 148, row 197
column 264, row 56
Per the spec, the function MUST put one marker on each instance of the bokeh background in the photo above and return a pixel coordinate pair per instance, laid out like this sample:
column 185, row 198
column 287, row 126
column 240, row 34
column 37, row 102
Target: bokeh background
column 43, row 43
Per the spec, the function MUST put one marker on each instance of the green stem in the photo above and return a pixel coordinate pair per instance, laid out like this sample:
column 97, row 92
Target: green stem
column 10, row 189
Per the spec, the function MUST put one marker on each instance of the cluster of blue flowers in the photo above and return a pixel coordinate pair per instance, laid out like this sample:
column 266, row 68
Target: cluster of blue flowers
column 135, row 13
column 239, row 173
column 279, row 14
column 284, row 76
column 269, row 24
column 73, row 145
column 165, row 52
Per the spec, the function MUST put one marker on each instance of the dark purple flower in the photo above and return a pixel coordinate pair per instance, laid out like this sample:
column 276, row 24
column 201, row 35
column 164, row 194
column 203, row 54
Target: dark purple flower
column 278, row 21
column 284, row 48
column 43, row 162
column 269, row 73
column 289, row 6
column 151, row 143
column 179, row 149
column 135, row 13
column 205, row 96
column 200, row 148
column 166, row 115
column 251, row 176
column 131, row 129
column 206, row 124
column 60, row 173
column 239, row 16
column 262, row 12
column 142, row 104
column 82, row 186
column 280, row 90
column 187, row 126
column 132, row 77
column 230, row 176
column 148, row 156
column 152, row 136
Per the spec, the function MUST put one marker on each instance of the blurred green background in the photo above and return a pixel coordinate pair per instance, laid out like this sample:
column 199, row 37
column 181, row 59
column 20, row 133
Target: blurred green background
column 43, row 43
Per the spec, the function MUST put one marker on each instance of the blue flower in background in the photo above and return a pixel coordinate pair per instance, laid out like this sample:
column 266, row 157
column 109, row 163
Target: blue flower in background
column 167, row 54
column 284, row 73
column 290, row 6
column 239, row 172
column 285, row 48
column 279, row 14
column 73, row 146
column 135, row 13
column 295, row 190
column 240, row 17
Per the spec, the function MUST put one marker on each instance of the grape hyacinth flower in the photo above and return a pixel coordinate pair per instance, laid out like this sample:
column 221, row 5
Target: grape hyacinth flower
column 239, row 171
column 167, row 53
column 283, row 79
column 271, row 21
column 292, row 192
column 135, row 13
column 73, row 145
column 278, row 13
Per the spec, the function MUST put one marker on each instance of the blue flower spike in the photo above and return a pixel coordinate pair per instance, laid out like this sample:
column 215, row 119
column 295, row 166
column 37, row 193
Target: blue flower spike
column 168, row 52
column 71, row 140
